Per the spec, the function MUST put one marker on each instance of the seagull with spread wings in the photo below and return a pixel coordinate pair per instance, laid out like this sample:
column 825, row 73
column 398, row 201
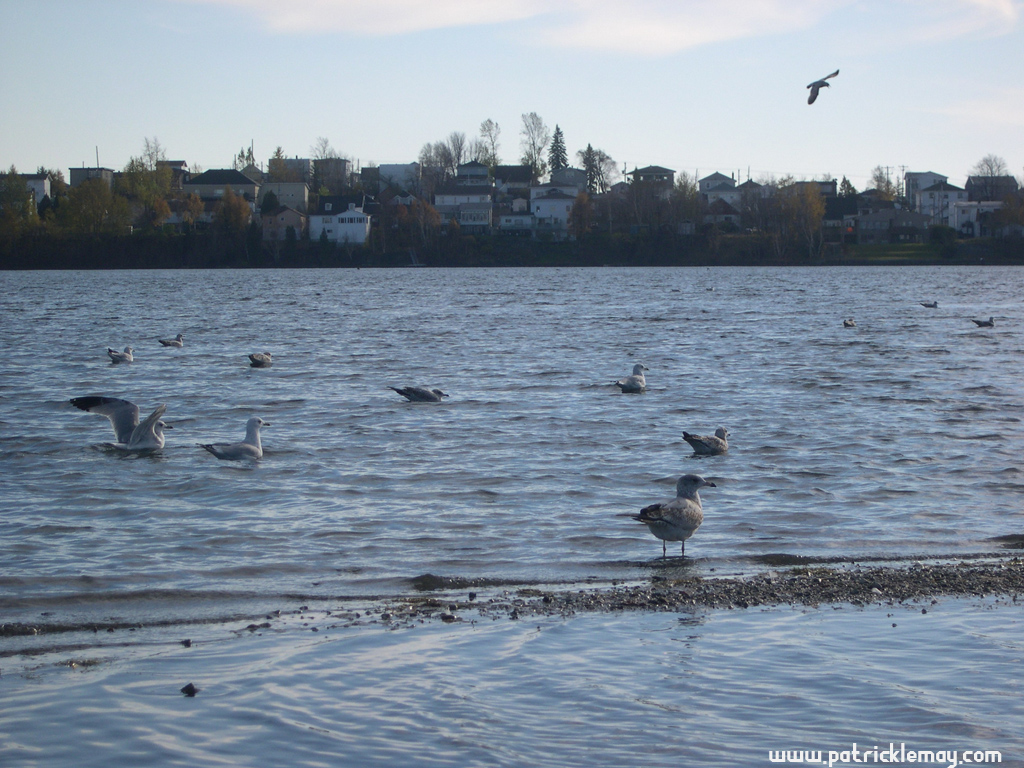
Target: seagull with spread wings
column 817, row 85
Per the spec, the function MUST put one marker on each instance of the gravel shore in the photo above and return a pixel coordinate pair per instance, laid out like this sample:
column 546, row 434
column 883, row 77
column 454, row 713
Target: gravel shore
column 670, row 587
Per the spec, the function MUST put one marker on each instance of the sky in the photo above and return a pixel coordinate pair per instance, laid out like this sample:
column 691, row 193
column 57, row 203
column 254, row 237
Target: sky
column 697, row 86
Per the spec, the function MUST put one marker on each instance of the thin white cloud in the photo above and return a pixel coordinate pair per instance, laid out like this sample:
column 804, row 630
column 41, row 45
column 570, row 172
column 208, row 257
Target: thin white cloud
column 647, row 27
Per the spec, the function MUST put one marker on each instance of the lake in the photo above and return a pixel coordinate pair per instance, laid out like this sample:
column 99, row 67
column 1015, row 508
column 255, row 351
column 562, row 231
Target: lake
column 897, row 438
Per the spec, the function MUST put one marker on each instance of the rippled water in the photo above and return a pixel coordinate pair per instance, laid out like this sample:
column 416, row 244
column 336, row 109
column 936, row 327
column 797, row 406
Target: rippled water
column 899, row 436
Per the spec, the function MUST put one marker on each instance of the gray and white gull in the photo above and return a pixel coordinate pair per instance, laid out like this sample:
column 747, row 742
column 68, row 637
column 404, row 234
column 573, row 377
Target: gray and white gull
column 678, row 518
column 635, row 383
column 250, row 448
column 121, row 357
column 177, row 341
column 124, row 417
column 709, row 445
column 260, row 360
column 817, row 85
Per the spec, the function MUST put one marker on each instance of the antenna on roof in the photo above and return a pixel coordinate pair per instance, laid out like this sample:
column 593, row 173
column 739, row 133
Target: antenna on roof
column 97, row 155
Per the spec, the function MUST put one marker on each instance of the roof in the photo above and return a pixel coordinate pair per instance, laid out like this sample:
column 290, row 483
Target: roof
column 716, row 176
column 513, row 173
column 283, row 209
column 554, row 194
column 943, row 186
column 650, row 169
column 221, row 177
column 340, row 203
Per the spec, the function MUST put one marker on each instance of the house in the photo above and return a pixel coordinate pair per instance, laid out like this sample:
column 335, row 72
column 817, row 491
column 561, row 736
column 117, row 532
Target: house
column 892, row 225
column 915, row 181
column 551, row 213
column 472, row 174
column 212, row 185
column 78, row 175
column 937, row 201
column 653, row 174
column 299, row 167
column 720, row 212
column 38, row 184
column 974, row 218
column 469, row 206
column 332, row 172
column 512, row 179
column 178, row 169
column 397, row 175
column 658, row 178
column 569, row 177
column 277, row 222
column 718, row 186
column 294, row 194
column 985, row 188
column 516, row 223
column 341, row 219
column 825, row 188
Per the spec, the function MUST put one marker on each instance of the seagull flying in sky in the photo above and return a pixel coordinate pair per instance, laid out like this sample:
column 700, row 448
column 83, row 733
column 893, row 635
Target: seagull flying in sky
column 817, row 85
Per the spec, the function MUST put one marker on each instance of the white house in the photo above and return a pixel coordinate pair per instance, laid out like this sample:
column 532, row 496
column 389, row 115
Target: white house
column 38, row 184
column 718, row 186
column 470, row 206
column 915, row 181
column 551, row 213
column 348, row 226
column 938, row 200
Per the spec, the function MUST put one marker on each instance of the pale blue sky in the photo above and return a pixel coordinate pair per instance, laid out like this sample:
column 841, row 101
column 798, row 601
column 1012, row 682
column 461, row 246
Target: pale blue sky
column 694, row 85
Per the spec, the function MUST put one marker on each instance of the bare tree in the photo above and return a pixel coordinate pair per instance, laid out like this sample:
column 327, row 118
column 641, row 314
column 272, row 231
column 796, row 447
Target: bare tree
column 490, row 132
column 534, row 140
column 986, row 173
column 883, row 183
column 455, row 150
column 322, row 149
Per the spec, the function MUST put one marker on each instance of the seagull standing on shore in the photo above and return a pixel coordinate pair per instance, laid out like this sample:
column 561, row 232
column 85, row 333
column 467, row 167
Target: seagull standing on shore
column 124, row 417
column 636, row 382
column 709, row 445
column 817, row 85
column 120, row 357
column 177, row 341
column 420, row 394
column 249, row 448
column 676, row 520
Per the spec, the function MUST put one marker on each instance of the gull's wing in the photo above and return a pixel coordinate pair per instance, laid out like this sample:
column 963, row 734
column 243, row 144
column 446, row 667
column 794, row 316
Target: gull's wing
column 123, row 415
column 146, row 427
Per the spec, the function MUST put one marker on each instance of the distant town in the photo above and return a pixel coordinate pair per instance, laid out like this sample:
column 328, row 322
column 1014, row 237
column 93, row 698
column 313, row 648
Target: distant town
column 457, row 198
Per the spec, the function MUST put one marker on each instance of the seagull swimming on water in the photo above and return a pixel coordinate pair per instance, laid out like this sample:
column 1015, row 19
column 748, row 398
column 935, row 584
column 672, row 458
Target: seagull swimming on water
column 710, row 445
column 677, row 519
column 260, row 360
column 177, row 341
column 851, row 323
column 817, row 85
column 420, row 394
column 990, row 323
column 120, row 357
column 249, row 448
column 636, row 382
column 124, row 417
column 929, row 304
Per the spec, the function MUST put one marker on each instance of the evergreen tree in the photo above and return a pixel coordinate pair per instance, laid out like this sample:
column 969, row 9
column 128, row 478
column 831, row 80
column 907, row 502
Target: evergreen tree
column 557, row 157
column 846, row 189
